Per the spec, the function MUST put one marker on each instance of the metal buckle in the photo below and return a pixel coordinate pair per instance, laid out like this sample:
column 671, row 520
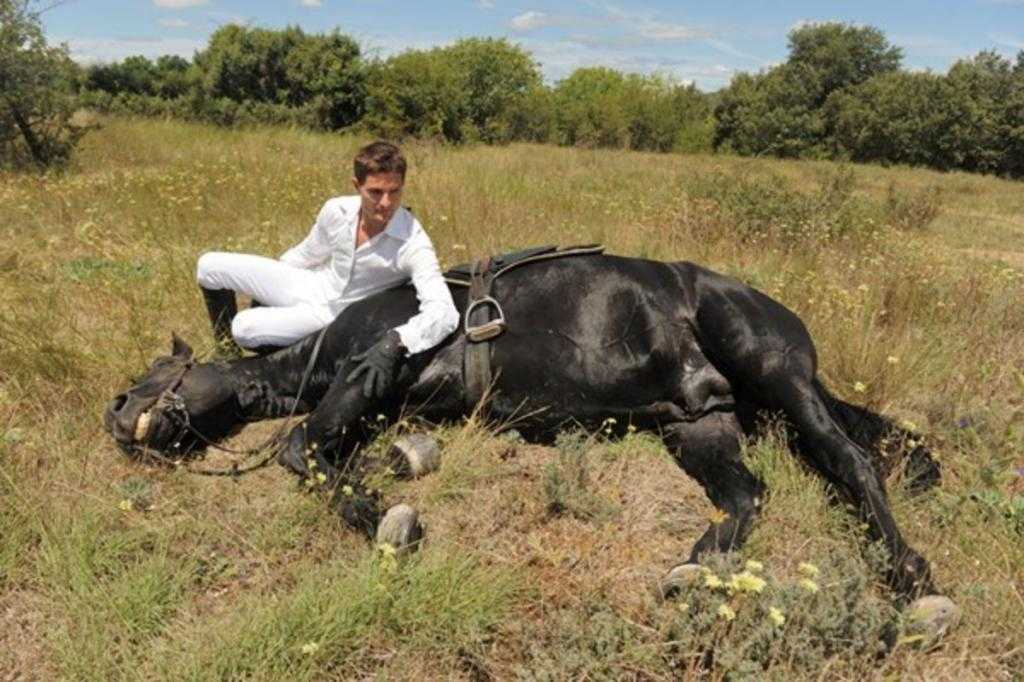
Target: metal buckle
column 487, row 330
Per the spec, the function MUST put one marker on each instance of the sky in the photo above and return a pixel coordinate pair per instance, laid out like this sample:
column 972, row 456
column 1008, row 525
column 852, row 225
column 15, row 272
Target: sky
column 701, row 42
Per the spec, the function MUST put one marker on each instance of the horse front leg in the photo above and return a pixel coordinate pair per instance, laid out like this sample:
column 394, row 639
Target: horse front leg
column 708, row 449
column 329, row 436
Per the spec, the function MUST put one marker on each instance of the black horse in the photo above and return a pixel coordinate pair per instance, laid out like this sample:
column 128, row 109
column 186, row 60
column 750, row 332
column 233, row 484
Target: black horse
column 668, row 347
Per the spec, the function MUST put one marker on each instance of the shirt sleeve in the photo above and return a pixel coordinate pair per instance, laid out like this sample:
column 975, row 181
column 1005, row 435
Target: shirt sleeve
column 315, row 249
column 437, row 317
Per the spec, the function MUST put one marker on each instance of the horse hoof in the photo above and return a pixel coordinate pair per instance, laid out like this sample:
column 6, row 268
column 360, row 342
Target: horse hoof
column 680, row 577
column 401, row 529
column 929, row 618
column 415, row 455
column 292, row 454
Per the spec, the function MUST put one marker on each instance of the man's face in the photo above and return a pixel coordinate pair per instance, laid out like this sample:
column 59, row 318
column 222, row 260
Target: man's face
column 381, row 196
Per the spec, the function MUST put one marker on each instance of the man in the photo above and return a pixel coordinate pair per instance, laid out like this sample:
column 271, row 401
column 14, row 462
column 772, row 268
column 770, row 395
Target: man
column 358, row 246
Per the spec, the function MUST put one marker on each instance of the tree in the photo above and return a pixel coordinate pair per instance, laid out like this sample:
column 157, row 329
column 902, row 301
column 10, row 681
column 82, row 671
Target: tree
column 287, row 68
column 496, row 78
column 326, row 72
column 173, row 76
column 773, row 113
column 415, row 94
column 1013, row 115
column 982, row 86
column 664, row 115
column 476, row 89
column 242, row 63
column 898, row 117
column 37, row 88
column 779, row 112
column 842, row 55
column 591, row 108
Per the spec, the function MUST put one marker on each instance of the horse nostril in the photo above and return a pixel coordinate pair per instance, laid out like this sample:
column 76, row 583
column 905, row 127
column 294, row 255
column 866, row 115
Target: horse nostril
column 118, row 402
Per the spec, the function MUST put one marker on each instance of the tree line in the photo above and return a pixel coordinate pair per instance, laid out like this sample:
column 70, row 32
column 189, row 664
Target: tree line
column 476, row 90
column 841, row 94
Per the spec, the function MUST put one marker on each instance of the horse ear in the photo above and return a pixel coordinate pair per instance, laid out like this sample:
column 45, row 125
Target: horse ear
column 179, row 348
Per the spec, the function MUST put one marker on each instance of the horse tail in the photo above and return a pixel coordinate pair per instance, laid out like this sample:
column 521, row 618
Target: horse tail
column 889, row 444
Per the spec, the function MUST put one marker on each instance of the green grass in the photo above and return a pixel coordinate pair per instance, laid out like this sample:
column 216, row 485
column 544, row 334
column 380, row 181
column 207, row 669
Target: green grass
column 539, row 562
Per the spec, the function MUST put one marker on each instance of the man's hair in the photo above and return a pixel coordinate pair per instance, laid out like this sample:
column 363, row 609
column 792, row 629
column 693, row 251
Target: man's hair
column 378, row 157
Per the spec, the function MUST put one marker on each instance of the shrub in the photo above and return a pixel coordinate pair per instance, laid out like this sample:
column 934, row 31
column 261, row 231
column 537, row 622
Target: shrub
column 38, row 91
column 566, row 482
column 757, row 208
column 912, row 210
column 737, row 622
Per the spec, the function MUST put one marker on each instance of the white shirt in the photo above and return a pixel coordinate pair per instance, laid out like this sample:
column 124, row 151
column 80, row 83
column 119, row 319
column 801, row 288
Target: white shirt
column 402, row 251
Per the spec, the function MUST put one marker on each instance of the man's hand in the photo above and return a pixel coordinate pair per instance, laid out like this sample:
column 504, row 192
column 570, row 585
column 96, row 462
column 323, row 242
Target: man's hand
column 379, row 363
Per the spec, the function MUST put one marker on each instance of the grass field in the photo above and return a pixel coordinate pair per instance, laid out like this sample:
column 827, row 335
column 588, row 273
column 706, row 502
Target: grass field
column 539, row 561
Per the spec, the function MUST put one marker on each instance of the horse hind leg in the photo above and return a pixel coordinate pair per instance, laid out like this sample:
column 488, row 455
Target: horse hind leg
column 829, row 450
column 708, row 449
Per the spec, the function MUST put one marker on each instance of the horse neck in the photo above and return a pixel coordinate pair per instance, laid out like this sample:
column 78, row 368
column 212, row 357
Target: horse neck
column 267, row 387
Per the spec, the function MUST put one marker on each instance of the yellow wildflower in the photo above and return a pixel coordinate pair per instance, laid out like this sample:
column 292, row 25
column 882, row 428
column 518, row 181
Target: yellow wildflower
column 713, row 581
column 809, row 585
column 726, row 612
column 125, row 505
column 808, row 570
column 754, row 566
column 860, row 387
column 310, row 648
column 321, row 477
column 892, row 360
column 776, row 616
column 347, row 490
column 746, row 582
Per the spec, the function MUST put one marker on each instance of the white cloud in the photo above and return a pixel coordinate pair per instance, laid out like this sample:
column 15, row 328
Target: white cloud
column 179, row 4
column 559, row 58
column 665, row 32
column 619, row 42
column 647, row 26
column 92, row 50
column 173, row 22
column 531, row 21
column 312, row 3
column 725, row 47
column 1008, row 41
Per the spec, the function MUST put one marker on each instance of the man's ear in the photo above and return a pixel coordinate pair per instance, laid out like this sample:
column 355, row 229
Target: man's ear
column 355, row 183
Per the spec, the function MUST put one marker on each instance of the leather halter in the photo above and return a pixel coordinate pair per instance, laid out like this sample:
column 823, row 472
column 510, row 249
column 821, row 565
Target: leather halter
column 170, row 402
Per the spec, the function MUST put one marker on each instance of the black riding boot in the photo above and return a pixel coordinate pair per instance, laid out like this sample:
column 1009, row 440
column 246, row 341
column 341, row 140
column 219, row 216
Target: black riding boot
column 222, row 308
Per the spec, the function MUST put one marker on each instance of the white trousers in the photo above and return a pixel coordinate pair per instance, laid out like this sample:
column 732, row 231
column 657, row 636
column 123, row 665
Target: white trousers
column 295, row 300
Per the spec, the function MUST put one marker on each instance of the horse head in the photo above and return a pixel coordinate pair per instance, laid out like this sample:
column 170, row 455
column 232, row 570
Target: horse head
column 178, row 406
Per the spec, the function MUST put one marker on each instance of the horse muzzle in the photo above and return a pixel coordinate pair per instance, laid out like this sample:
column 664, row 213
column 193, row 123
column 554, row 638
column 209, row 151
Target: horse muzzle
column 126, row 422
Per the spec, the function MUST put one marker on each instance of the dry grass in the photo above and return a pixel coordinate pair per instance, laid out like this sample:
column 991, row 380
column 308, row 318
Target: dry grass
column 212, row 578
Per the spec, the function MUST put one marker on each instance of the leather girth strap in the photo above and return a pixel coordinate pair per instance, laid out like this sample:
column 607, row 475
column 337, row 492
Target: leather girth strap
column 484, row 319
column 476, row 369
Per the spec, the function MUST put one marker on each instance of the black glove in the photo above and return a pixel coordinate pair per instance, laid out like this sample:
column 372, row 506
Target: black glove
column 380, row 364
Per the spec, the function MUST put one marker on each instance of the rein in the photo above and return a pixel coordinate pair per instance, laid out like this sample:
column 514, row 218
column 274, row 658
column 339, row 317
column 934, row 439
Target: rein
column 175, row 408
